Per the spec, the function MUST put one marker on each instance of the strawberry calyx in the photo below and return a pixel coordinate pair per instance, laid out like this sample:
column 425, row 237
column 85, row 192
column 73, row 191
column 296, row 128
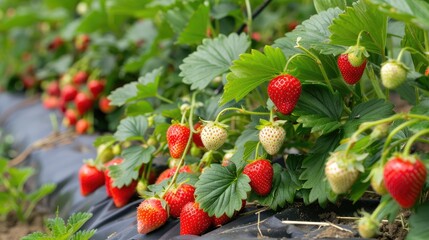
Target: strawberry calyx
column 214, row 123
column 265, row 123
column 348, row 161
column 90, row 162
column 357, row 55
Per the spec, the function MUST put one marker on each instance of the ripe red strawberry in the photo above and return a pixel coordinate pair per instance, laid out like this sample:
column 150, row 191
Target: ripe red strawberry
column 393, row 74
column 271, row 136
column 80, row 77
column 81, row 42
column 427, row 72
column 82, row 126
column 68, row 93
column 150, row 215
column 260, row 173
column 70, row 117
column 167, row 173
column 284, row 90
column 104, row 105
column 56, row 43
column 220, row 221
column 83, row 103
column 53, row 89
column 51, row 102
column 96, row 87
column 196, row 137
column 122, row 195
column 90, row 179
column 214, row 135
column 404, row 178
column 107, row 180
column 29, row 81
column 193, row 220
column 351, row 74
column 341, row 171
column 179, row 197
column 177, row 138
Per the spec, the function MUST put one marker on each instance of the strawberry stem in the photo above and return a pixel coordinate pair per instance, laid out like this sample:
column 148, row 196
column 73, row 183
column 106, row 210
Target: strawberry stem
column 387, row 146
column 257, row 150
column 413, row 138
column 360, row 37
column 375, row 83
column 410, row 50
column 249, row 18
column 188, row 144
column 318, row 62
column 163, row 98
column 240, row 110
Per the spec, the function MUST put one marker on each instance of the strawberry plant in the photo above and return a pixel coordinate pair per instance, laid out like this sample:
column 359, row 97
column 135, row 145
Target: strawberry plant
column 14, row 198
column 240, row 109
column 59, row 229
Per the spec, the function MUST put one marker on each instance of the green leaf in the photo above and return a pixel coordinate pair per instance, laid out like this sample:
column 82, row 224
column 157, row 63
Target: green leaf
column 196, row 28
column 221, row 189
column 77, row 220
column 3, row 165
column 409, row 11
column 148, row 86
column 42, row 192
column 132, row 128
column 124, row 94
column 418, row 223
column 415, row 37
column 305, row 68
column 138, row 108
column 251, row 70
column 282, row 191
column 421, row 109
column 57, row 227
column 177, row 17
column 7, row 202
column 314, row 165
column 361, row 17
column 212, row 59
column 106, row 139
column 318, row 109
column 36, row 236
column 134, row 157
column 92, row 21
column 84, row 235
column 372, row 110
column 19, row 176
column 323, row 5
column 314, row 34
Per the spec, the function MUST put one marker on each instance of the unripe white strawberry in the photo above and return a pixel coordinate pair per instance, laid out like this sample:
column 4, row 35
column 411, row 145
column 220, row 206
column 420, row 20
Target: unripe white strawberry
column 271, row 137
column 367, row 226
column 214, row 135
column 342, row 171
column 393, row 74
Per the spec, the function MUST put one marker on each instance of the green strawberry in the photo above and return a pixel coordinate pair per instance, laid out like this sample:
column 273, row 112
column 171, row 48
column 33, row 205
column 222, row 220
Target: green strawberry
column 214, row 135
column 393, row 74
column 367, row 226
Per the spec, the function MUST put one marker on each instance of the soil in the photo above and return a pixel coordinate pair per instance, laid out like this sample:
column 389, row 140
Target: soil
column 12, row 229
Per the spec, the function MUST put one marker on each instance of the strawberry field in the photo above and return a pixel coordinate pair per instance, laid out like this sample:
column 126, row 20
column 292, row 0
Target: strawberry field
column 126, row 119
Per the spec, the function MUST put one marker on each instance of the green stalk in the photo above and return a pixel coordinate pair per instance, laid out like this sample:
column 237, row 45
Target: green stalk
column 319, row 64
column 188, row 144
column 163, row 99
column 240, row 110
column 375, row 84
column 410, row 142
column 386, row 148
column 249, row 18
